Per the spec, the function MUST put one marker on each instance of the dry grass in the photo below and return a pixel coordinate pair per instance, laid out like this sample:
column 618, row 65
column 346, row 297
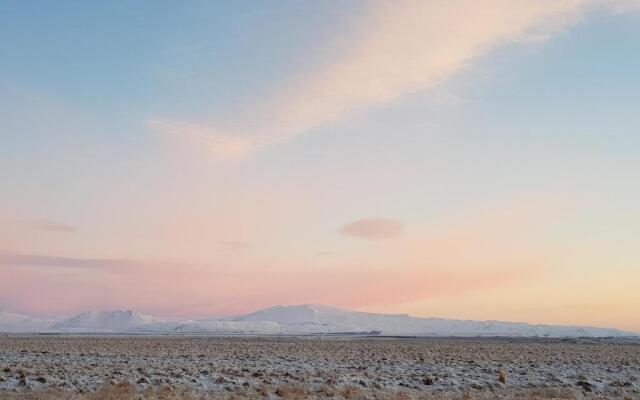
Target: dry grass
column 292, row 392
column 126, row 391
column 178, row 368
column 502, row 376
column 352, row 393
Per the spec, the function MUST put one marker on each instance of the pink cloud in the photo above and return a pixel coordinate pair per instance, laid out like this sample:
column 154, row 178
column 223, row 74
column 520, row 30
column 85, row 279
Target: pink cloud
column 52, row 226
column 492, row 250
column 373, row 228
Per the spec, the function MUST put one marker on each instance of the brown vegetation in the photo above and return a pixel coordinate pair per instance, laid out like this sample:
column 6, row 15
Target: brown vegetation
column 126, row 391
column 158, row 368
column 502, row 376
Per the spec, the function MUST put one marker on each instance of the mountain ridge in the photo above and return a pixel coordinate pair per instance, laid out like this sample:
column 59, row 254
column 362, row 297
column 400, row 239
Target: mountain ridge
column 15, row 322
column 301, row 319
column 106, row 321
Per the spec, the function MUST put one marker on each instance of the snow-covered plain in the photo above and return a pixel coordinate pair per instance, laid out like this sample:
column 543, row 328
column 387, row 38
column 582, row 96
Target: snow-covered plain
column 232, row 367
column 295, row 320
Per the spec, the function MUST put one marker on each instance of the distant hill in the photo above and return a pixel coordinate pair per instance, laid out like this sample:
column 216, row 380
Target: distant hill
column 108, row 321
column 318, row 319
column 296, row 320
column 14, row 322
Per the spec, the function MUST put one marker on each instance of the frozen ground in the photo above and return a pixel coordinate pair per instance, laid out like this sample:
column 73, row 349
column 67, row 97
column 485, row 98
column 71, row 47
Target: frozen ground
column 314, row 367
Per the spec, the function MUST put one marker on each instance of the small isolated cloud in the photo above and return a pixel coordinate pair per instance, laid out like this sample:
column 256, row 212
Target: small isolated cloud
column 234, row 245
column 373, row 228
column 52, row 226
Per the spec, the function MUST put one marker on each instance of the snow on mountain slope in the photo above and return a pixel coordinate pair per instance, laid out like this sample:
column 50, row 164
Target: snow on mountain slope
column 113, row 321
column 230, row 327
column 299, row 314
column 307, row 318
column 13, row 322
column 297, row 319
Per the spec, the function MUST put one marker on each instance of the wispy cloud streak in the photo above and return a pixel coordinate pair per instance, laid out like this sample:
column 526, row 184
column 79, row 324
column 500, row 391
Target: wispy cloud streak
column 34, row 260
column 52, row 226
column 396, row 49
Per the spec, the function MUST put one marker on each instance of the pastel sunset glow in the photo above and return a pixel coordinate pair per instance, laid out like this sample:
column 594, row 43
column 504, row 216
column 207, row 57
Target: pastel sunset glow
column 457, row 159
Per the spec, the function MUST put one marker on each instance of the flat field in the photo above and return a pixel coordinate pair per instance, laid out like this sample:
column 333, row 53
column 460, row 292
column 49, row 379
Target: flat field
column 175, row 367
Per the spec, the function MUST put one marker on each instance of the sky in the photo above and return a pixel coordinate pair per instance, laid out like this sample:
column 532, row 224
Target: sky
column 458, row 159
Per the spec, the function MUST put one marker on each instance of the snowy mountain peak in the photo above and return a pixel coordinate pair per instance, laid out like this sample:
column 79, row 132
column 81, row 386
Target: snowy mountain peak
column 6, row 316
column 302, row 313
column 111, row 321
column 317, row 319
column 297, row 320
column 14, row 322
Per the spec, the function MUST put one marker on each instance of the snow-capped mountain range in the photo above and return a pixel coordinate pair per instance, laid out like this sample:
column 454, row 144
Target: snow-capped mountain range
column 106, row 321
column 13, row 322
column 294, row 320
